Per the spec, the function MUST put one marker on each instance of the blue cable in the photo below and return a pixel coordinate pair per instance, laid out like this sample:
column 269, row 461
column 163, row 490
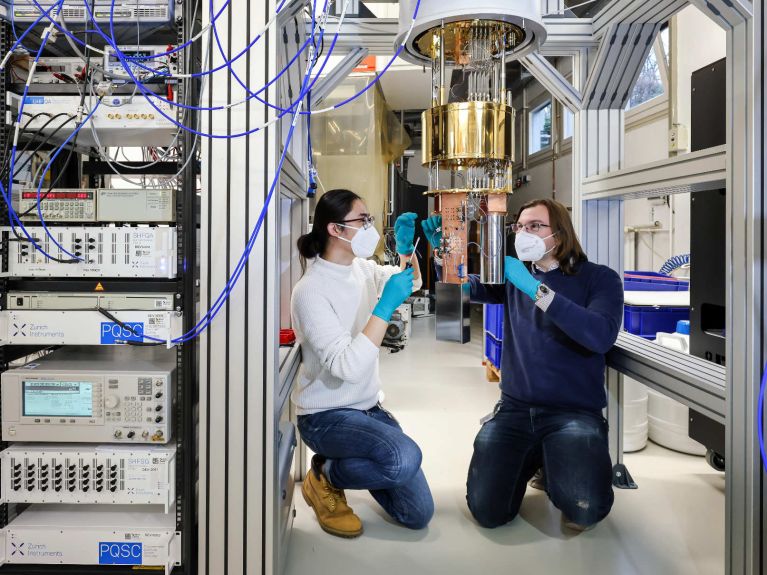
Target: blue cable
column 44, row 14
column 112, row 43
column 289, row 64
column 674, row 263
column 224, row 295
column 13, row 218
column 149, row 95
column 84, row 44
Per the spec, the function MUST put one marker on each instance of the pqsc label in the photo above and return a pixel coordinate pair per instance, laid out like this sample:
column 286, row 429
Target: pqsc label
column 34, row 100
column 112, row 333
column 120, row 553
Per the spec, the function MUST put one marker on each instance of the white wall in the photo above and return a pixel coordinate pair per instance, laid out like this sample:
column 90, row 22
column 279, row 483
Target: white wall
column 696, row 41
column 699, row 41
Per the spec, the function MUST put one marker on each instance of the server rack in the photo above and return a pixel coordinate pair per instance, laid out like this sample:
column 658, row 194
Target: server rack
column 186, row 289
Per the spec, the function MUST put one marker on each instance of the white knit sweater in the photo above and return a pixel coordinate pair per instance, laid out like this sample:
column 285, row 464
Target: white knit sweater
column 330, row 306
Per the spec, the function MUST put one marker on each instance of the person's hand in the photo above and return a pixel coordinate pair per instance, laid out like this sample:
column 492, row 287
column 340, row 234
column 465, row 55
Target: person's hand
column 520, row 277
column 432, row 227
column 395, row 292
column 404, row 232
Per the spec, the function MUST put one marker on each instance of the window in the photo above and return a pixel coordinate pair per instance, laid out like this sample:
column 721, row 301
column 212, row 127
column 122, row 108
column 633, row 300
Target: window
column 649, row 85
column 540, row 128
column 664, row 40
column 567, row 123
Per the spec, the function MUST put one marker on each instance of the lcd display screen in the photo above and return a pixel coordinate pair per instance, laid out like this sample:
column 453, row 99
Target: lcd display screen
column 57, row 398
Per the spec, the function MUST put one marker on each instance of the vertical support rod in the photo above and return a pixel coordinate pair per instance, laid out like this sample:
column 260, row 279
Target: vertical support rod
column 442, row 89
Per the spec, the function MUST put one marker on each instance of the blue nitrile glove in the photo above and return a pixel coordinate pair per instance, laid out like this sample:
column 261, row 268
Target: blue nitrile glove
column 395, row 292
column 520, row 277
column 404, row 232
column 432, row 227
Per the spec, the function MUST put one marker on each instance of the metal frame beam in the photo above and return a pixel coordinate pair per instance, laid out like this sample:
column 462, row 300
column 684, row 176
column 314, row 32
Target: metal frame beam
column 375, row 34
column 744, row 21
column 378, row 34
column 726, row 13
column 620, row 59
column 746, row 506
column 697, row 171
column 567, row 34
column 328, row 83
column 633, row 11
column 695, row 382
column 553, row 81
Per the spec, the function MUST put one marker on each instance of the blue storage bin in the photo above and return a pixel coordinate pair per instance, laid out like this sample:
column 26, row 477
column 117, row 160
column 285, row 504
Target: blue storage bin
column 493, row 350
column 494, row 320
column 653, row 281
column 646, row 321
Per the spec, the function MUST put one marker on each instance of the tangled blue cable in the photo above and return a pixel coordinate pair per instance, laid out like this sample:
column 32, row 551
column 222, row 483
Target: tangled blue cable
column 293, row 109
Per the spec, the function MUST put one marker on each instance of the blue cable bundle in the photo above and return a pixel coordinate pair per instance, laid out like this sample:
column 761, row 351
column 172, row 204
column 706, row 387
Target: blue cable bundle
column 294, row 109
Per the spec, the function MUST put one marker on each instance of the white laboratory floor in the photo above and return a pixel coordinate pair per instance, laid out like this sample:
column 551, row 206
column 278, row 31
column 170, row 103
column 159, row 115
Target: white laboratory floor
column 672, row 525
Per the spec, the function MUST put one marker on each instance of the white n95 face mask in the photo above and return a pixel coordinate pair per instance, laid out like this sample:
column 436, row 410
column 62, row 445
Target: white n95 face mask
column 364, row 242
column 529, row 247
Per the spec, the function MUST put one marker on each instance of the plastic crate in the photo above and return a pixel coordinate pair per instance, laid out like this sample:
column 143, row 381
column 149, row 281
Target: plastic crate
column 653, row 281
column 493, row 350
column 494, row 320
column 646, row 321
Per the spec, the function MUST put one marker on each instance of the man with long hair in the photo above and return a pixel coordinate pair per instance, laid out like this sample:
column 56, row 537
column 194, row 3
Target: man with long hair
column 562, row 315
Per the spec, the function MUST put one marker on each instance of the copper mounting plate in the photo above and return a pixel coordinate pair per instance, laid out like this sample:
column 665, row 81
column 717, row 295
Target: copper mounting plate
column 457, row 35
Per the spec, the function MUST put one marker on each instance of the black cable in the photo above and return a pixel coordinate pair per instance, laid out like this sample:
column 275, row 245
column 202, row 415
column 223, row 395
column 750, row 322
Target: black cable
column 127, row 328
column 25, row 149
column 44, row 195
column 7, row 149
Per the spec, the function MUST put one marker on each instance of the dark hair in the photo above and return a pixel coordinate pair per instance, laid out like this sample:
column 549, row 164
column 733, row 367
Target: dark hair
column 568, row 251
column 333, row 206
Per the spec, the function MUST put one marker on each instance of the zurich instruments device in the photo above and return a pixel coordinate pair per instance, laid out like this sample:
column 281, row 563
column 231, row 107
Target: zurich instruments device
column 91, row 395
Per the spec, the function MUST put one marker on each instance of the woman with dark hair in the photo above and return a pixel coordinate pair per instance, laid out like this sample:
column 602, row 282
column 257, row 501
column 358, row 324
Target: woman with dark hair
column 562, row 315
column 341, row 308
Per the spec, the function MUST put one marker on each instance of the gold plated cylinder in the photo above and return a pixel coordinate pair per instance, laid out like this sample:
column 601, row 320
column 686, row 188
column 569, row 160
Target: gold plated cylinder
column 467, row 133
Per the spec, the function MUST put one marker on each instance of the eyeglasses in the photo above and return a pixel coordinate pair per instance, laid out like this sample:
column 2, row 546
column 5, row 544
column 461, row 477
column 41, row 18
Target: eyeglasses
column 533, row 227
column 367, row 221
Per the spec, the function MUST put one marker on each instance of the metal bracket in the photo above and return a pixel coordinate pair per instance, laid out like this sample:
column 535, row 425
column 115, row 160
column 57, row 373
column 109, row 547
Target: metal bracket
column 622, row 478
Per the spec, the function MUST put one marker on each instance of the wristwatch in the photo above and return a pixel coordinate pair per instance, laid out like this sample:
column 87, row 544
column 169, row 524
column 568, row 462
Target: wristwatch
column 542, row 292
column 543, row 297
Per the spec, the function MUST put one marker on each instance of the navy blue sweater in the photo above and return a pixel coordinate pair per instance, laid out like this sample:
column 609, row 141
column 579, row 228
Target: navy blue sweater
column 557, row 358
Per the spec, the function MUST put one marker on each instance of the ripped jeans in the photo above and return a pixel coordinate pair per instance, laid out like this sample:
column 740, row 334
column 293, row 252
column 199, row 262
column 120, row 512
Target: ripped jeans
column 571, row 446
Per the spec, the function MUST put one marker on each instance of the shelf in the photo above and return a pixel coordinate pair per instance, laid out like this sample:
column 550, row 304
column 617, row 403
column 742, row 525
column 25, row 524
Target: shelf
column 694, row 172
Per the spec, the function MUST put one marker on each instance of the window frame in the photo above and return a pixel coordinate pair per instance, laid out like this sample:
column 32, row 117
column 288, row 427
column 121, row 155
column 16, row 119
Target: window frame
column 653, row 103
column 545, row 100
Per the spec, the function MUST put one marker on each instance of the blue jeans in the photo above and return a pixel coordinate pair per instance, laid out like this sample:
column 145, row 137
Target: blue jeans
column 572, row 448
column 368, row 450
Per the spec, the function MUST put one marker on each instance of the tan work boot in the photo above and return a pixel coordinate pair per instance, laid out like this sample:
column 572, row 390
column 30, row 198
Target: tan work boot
column 329, row 503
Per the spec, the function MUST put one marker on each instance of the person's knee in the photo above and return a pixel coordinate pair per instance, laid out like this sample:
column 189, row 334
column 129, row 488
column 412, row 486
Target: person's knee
column 419, row 514
column 404, row 462
column 586, row 508
column 485, row 509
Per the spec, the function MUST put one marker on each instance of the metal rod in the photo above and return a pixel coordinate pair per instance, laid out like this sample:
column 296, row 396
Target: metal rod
column 442, row 91
column 503, row 69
